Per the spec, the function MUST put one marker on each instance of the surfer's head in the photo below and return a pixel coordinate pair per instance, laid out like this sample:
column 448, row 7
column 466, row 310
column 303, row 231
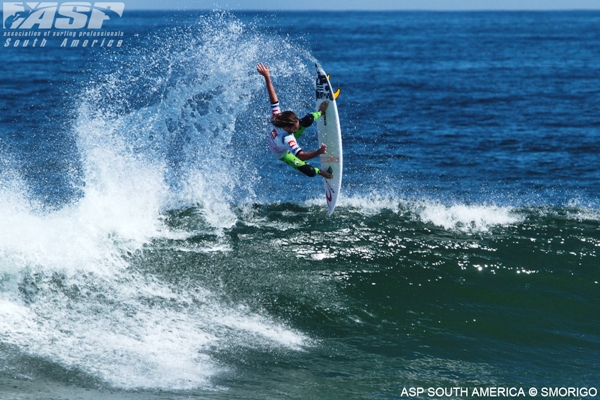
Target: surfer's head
column 288, row 121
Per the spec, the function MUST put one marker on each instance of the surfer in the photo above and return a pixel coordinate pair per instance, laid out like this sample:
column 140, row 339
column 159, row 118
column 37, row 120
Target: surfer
column 286, row 128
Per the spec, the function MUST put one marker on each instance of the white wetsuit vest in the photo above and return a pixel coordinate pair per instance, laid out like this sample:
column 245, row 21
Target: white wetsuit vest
column 281, row 141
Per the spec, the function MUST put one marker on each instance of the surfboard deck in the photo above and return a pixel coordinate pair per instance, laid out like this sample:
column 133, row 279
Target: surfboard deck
column 330, row 133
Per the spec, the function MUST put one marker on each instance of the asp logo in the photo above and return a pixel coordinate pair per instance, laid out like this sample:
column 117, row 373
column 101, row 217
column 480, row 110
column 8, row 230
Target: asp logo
column 69, row 15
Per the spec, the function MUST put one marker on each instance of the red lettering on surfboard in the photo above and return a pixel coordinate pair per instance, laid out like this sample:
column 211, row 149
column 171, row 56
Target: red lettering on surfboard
column 329, row 159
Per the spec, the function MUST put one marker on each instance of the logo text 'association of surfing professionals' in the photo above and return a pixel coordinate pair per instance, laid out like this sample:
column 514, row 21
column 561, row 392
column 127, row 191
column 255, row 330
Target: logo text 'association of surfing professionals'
column 67, row 24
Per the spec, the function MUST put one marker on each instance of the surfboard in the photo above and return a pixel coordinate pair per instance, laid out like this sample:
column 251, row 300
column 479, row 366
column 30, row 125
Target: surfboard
column 330, row 133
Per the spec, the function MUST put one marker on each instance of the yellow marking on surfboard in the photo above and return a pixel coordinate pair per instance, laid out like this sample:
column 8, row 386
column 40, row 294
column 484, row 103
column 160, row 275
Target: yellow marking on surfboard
column 337, row 92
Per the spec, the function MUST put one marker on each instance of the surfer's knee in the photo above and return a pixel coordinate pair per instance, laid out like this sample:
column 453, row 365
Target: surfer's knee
column 308, row 170
column 307, row 120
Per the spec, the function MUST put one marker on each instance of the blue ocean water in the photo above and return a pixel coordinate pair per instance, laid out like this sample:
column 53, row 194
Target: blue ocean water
column 151, row 247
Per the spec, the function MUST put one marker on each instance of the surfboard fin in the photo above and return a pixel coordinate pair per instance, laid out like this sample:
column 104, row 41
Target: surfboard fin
column 337, row 92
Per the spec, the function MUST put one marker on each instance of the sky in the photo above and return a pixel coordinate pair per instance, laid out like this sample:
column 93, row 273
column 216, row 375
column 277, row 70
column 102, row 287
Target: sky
column 441, row 5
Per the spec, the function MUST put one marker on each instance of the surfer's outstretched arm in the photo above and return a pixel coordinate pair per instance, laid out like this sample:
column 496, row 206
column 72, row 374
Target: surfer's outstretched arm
column 264, row 71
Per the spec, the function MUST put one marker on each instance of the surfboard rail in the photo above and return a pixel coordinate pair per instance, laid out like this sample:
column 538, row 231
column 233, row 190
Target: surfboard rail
column 330, row 133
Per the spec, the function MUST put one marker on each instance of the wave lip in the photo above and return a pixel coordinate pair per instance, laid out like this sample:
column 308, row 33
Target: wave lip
column 466, row 218
column 469, row 218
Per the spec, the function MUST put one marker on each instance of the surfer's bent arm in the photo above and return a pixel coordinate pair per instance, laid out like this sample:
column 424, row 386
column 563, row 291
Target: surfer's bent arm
column 309, row 155
column 264, row 71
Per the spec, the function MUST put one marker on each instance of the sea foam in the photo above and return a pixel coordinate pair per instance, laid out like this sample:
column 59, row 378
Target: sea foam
column 77, row 284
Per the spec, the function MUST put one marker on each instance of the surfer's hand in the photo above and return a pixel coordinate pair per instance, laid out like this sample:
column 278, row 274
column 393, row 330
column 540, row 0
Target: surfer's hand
column 263, row 70
column 323, row 107
column 323, row 149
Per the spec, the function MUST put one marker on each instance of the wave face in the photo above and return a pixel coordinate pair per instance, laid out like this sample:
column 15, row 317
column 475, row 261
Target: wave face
column 83, row 286
column 150, row 246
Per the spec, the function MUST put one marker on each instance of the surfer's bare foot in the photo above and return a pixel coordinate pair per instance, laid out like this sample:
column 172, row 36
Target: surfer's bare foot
column 323, row 107
column 325, row 174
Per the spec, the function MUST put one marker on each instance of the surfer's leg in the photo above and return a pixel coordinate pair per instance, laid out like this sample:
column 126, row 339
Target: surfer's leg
column 306, row 122
column 300, row 165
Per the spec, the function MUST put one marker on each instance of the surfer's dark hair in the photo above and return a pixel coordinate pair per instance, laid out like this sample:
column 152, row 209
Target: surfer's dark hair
column 285, row 119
